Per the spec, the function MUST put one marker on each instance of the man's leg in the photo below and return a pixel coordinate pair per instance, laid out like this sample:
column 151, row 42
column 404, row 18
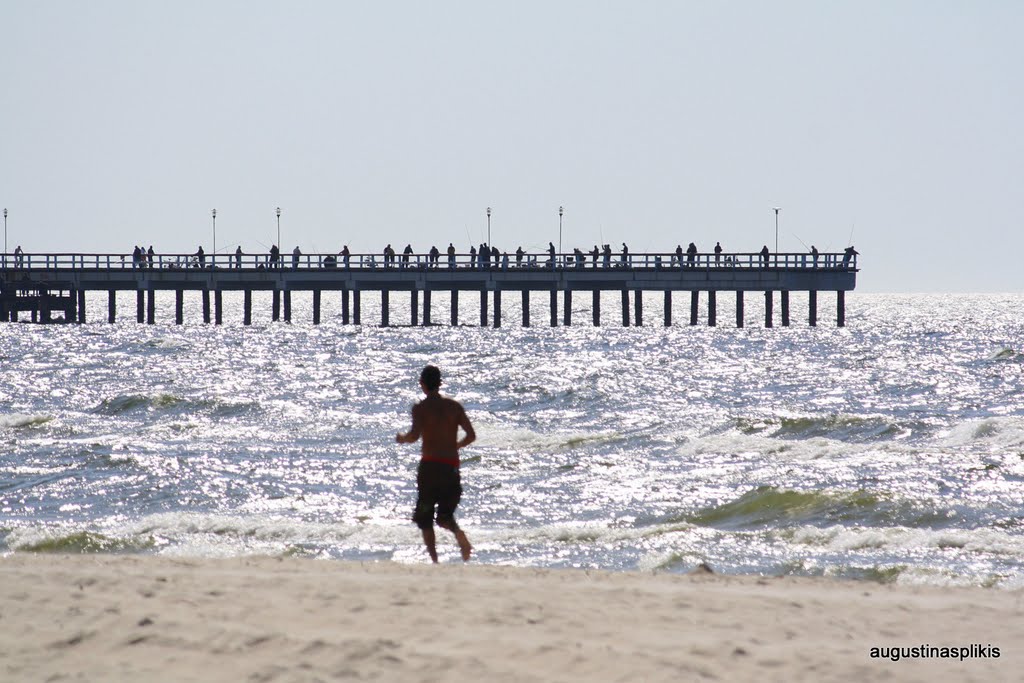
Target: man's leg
column 460, row 536
column 430, row 541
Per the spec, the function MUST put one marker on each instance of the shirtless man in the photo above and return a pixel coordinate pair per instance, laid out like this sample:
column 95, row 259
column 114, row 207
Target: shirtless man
column 437, row 419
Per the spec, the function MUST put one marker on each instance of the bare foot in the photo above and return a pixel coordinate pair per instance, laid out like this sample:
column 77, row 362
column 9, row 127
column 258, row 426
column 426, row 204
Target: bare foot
column 464, row 545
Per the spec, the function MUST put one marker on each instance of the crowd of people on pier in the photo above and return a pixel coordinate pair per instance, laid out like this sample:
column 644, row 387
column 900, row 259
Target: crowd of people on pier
column 482, row 256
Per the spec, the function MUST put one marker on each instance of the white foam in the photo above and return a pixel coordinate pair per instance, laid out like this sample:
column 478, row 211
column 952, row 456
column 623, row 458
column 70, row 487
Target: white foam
column 23, row 419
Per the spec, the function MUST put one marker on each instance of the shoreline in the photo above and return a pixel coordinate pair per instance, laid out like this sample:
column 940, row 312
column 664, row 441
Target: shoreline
column 118, row 617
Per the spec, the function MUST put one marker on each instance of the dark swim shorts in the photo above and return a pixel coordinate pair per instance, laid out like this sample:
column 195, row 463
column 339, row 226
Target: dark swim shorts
column 437, row 484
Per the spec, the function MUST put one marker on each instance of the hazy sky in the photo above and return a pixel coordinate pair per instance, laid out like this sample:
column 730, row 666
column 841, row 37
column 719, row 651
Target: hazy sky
column 897, row 125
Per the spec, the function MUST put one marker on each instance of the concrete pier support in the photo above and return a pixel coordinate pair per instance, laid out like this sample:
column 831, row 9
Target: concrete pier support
column 151, row 307
column 111, row 306
column 694, row 306
column 712, row 309
column 218, row 307
column 597, row 308
column 385, row 308
column 526, row 308
column 841, row 308
column 739, row 308
column 554, row 307
column 812, row 308
column 247, row 307
column 497, row 308
column 356, row 314
column 426, row 308
column 768, row 309
column 784, row 294
column 287, row 305
column 179, row 307
column 567, row 307
column 206, row 306
column 344, row 307
column 275, row 313
column 483, row 308
column 625, row 308
column 81, row 307
column 455, row 307
column 414, row 307
column 316, row 306
column 638, row 307
column 140, row 305
column 668, row 308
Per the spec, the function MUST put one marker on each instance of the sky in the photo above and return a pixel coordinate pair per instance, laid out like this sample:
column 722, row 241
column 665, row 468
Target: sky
column 895, row 126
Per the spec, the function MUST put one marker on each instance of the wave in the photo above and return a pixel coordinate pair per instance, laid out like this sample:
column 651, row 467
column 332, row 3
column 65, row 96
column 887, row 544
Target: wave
column 835, row 426
column 51, row 541
column 16, row 420
column 905, row 539
column 770, row 507
column 996, row 432
column 131, row 403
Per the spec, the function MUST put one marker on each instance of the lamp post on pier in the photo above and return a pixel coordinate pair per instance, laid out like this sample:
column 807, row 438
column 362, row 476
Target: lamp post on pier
column 777, row 209
column 488, row 226
column 279, row 227
column 213, row 257
column 5, row 237
column 560, row 212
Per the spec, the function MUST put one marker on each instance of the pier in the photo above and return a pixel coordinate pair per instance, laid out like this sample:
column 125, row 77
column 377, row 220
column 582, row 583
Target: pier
column 43, row 286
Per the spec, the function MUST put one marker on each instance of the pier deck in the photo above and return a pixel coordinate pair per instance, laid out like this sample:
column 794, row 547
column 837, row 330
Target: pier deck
column 44, row 283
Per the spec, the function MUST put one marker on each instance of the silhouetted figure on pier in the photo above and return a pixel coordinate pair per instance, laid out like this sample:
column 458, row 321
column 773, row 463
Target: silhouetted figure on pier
column 579, row 257
column 718, row 252
column 472, row 256
column 814, row 255
column 519, row 256
column 136, row 257
column 595, row 253
column 607, row 252
column 551, row 254
column 201, row 257
column 679, row 255
column 848, row 254
column 625, row 255
column 275, row 256
column 495, row 255
column 691, row 254
column 504, row 260
column 764, row 256
column 405, row 255
column 238, row 257
column 345, row 255
column 330, row 261
column 149, row 256
column 296, row 253
column 389, row 255
column 451, row 255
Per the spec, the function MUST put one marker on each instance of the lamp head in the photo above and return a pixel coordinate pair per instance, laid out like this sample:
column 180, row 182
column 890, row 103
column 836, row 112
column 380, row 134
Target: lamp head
column 279, row 212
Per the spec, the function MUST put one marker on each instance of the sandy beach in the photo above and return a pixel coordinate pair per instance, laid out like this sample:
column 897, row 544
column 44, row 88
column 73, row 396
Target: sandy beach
column 130, row 617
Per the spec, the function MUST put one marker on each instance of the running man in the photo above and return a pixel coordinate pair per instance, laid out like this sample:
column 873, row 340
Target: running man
column 437, row 419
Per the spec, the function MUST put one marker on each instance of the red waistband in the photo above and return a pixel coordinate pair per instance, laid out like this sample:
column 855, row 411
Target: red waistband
column 436, row 458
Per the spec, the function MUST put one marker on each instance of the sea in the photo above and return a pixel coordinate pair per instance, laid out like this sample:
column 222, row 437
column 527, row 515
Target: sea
column 889, row 450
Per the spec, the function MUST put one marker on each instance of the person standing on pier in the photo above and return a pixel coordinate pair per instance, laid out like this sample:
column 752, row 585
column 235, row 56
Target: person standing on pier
column 275, row 256
column 718, row 252
column 595, row 253
column 679, row 255
column 764, row 256
column 691, row 255
column 201, row 256
column 607, row 251
column 451, row 255
column 519, row 256
column 472, row 256
column 345, row 255
column 625, row 255
column 296, row 253
column 238, row 256
column 405, row 255
column 551, row 254
column 814, row 255
column 437, row 419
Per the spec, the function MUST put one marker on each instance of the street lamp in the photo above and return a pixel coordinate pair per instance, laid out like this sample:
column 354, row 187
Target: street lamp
column 214, row 256
column 279, row 227
column 5, row 237
column 488, row 226
column 777, row 229
column 560, row 211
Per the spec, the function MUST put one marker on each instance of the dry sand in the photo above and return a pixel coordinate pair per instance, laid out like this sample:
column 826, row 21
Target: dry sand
column 143, row 618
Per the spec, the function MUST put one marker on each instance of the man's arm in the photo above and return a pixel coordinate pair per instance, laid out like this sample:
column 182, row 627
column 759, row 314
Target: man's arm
column 467, row 427
column 414, row 432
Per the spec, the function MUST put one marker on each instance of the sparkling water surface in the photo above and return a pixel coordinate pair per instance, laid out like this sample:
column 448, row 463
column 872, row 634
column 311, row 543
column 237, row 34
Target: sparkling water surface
column 891, row 449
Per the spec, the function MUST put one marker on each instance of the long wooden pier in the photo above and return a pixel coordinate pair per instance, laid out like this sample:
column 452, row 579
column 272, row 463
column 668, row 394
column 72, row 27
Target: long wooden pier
column 44, row 284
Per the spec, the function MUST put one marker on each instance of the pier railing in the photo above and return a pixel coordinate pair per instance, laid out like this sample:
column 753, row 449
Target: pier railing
column 376, row 262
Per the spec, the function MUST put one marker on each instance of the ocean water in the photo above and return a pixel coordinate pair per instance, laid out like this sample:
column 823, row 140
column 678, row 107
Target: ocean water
column 889, row 450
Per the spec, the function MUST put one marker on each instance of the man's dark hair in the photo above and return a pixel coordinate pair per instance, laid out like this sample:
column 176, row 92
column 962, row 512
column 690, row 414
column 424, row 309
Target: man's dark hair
column 431, row 378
